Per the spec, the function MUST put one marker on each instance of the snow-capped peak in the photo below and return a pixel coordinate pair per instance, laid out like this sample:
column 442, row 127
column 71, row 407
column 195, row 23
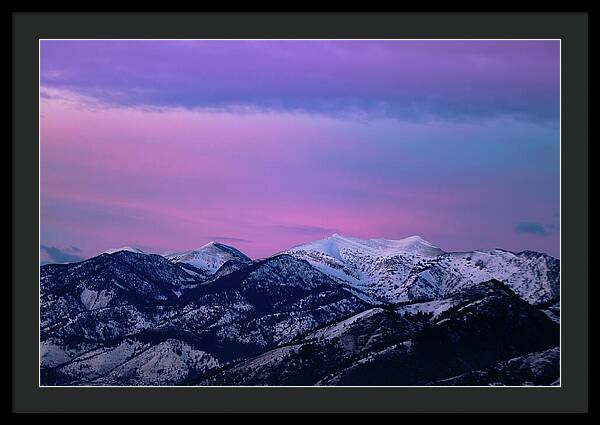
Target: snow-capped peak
column 411, row 268
column 124, row 248
column 336, row 243
column 208, row 245
column 208, row 257
column 410, row 244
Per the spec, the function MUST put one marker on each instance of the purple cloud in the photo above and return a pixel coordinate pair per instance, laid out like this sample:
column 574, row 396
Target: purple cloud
column 412, row 80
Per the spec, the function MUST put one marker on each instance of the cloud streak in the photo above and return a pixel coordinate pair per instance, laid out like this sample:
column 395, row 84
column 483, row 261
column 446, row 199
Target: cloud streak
column 57, row 255
column 532, row 228
column 228, row 239
column 306, row 230
column 411, row 80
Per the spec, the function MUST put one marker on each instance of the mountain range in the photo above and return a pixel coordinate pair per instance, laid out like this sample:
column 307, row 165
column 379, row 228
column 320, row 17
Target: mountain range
column 337, row 311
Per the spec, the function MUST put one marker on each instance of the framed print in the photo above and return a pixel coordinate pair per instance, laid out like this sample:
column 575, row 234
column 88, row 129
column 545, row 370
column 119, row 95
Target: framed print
column 264, row 217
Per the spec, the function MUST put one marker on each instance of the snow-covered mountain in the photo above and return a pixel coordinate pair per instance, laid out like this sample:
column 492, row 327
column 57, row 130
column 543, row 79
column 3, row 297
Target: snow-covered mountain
column 124, row 248
column 411, row 269
column 338, row 311
column 124, row 318
column 487, row 324
column 111, row 280
column 535, row 277
column 209, row 257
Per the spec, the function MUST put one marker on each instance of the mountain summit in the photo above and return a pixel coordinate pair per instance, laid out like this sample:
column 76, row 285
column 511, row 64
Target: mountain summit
column 409, row 269
column 124, row 248
column 337, row 246
column 209, row 257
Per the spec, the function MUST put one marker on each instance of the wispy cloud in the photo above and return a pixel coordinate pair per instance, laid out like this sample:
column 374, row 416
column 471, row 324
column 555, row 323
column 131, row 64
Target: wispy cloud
column 228, row 239
column 306, row 230
column 532, row 228
column 58, row 255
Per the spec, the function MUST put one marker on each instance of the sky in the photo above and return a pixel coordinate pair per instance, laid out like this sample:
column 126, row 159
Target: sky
column 263, row 145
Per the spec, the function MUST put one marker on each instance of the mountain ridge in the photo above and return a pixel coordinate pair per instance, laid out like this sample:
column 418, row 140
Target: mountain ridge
column 130, row 318
column 393, row 271
column 412, row 268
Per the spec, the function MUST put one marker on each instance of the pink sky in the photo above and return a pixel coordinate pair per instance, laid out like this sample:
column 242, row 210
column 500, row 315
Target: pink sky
column 173, row 177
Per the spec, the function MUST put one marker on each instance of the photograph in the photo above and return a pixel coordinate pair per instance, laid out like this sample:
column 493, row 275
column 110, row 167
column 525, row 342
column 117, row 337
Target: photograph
column 300, row 212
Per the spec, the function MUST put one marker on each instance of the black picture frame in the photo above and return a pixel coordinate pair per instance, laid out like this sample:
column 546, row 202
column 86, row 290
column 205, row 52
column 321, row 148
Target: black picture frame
column 571, row 28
